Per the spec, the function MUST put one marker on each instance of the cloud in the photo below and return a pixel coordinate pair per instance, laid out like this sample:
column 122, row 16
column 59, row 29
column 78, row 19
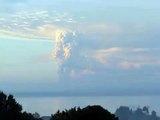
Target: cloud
column 68, row 53
column 44, row 32
column 91, row 50
column 126, row 58
column 78, row 60
column 64, row 41
column 35, row 24
column 41, row 24
column 110, row 50
column 101, row 55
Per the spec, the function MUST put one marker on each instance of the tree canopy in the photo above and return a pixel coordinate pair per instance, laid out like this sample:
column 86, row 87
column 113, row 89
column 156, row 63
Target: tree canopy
column 10, row 109
column 87, row 113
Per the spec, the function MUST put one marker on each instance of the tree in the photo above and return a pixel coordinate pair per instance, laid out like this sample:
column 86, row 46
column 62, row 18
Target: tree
column 11, row 110
column 146, row 110
column 87, row 113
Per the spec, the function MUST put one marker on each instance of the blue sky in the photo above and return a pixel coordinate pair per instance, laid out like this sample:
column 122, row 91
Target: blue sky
column 80, row 47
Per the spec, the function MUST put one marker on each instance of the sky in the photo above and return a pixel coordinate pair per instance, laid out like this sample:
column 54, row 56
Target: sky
column 83, row 47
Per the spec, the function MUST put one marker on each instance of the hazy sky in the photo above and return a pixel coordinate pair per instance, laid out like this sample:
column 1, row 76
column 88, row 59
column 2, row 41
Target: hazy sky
column 80, row 47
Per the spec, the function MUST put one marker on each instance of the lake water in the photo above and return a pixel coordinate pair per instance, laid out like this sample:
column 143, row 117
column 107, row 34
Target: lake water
column 49, row 105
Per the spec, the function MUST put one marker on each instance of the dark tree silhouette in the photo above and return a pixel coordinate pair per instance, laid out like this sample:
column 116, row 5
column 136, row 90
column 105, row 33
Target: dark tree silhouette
column 11, row 110
column 87, row 113
column 145, row 109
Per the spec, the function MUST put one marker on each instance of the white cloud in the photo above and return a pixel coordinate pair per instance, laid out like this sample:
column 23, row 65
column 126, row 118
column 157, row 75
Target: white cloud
column 126, row 58
column 110, row 50
column 65, row 41
column 36, row 24
column 102, row 55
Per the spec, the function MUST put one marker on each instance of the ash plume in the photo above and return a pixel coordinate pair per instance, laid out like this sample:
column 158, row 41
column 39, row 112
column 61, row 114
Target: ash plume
column 72, row 64
column 65, row 41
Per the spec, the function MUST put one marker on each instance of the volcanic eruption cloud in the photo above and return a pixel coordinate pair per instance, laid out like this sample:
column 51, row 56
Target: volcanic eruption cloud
column 65, row 41
column 65, row 46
